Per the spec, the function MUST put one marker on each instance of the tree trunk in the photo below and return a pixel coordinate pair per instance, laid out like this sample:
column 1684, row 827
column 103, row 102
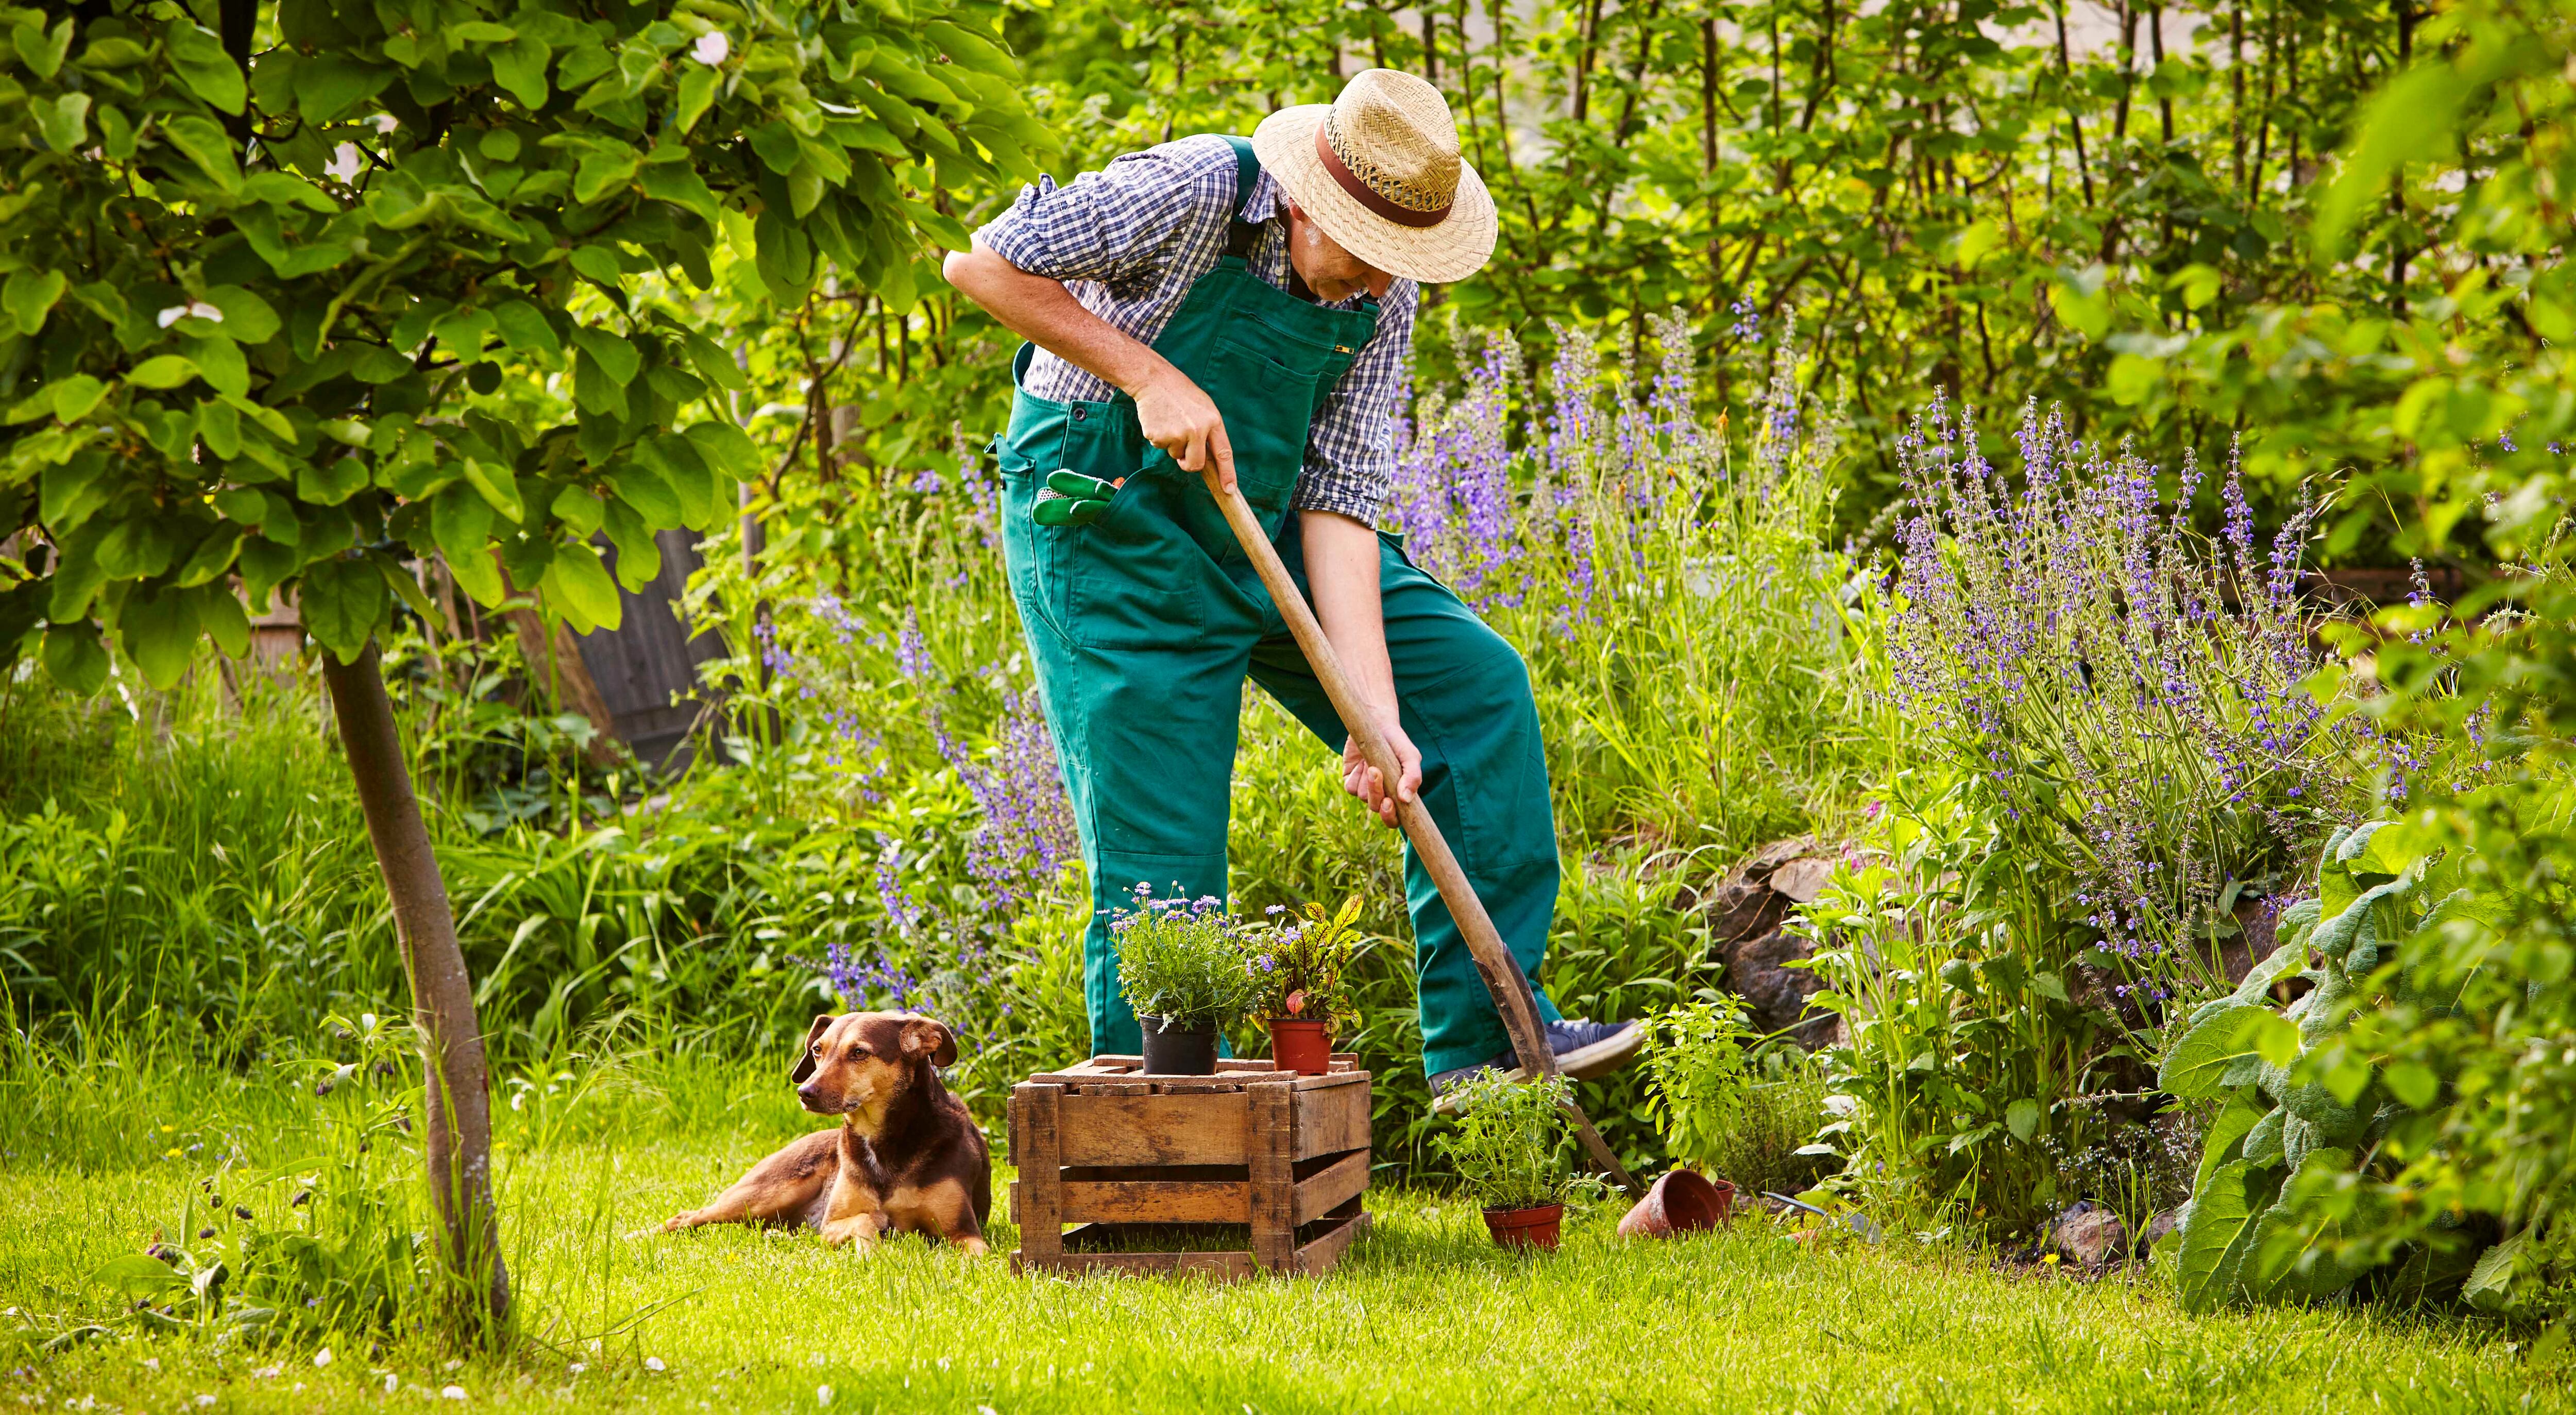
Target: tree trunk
column 456, row 1111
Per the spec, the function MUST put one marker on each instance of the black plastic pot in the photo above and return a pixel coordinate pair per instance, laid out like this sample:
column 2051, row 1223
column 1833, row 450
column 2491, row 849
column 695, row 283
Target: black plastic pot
column 1172, row 1049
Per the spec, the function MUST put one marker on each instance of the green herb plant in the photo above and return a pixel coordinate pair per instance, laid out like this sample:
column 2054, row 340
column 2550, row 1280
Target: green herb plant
column 1729, row 1102
column 1182, row 960
column 1297, row 959
column 1512, row 1146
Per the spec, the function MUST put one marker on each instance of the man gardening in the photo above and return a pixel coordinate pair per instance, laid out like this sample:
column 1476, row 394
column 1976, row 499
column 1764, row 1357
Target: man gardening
column 1247, row 308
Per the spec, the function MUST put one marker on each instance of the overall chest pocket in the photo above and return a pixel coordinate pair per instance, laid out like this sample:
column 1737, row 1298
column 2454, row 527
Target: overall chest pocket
column 1268, row 407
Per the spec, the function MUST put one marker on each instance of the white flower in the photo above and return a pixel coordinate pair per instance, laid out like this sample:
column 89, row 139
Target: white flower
column 268, row 1373
column 392, row 1382
column 822, row 1395
column 322, row 1357
column 652, row 1363
column 194, row 309
column 346, row 162
column 711, row 48
column 578, row 1367
column 386, row 122
column 452, row 1392
column 205, row 1400
column 152, row 1363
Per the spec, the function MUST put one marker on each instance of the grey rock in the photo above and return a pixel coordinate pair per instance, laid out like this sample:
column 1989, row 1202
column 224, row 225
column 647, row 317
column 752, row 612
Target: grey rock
column 1748, row 913
column 2089, row 1234
column 2157, row 1227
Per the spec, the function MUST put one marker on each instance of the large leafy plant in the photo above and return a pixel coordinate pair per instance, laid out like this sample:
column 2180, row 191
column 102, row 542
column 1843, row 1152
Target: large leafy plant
column 313, row 296
column 2283, row 1205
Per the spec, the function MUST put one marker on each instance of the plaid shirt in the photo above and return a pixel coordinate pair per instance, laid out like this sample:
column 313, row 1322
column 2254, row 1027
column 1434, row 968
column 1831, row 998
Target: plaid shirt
column 1129, row 240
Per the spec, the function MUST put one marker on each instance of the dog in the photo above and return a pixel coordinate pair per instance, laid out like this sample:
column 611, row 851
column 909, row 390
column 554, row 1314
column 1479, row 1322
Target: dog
column 907, row 1157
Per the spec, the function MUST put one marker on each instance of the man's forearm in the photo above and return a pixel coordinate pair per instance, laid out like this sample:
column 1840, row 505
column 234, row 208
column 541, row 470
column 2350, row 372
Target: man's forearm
column 1342, row 578
column 1043, row 312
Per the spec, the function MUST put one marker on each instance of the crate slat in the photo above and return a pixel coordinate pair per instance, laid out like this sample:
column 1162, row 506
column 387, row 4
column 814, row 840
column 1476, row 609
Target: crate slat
column 1271, row 1137
column 1332, row 1120
column 1037, row 1205
column 1319, row 1256
column 1158, row 1201
column 1201, row 1129
column 1337, row 1184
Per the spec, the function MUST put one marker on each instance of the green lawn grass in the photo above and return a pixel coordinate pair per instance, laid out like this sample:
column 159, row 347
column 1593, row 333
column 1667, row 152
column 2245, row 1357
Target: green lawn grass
column 1424, row 1315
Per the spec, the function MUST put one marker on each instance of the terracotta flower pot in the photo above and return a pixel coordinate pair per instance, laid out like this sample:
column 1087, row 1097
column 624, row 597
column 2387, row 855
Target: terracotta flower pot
column 1300, row 1044
column 1525, row 1228
column 1175, row 1050
column 1680, row 1202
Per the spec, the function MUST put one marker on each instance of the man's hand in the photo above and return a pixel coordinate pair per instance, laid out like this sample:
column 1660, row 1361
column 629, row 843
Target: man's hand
column 1179, row 417
column 1176, row 414
column 1369, row 784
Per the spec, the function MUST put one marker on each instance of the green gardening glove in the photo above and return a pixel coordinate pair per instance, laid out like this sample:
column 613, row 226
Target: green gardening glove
column 1072, row 499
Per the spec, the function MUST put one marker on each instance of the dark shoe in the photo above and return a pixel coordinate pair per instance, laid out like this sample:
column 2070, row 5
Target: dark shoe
column 1583, row 1050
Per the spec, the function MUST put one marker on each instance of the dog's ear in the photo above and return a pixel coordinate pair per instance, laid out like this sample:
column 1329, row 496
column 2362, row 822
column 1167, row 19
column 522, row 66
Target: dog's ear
column 924, row 1037
column 805, row 1054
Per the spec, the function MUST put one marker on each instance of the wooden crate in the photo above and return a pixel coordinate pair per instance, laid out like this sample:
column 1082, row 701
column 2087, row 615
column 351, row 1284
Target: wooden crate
column 1134, row 1161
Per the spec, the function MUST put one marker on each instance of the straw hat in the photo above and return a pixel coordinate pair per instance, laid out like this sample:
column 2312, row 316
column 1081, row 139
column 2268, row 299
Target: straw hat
column 1378, row 169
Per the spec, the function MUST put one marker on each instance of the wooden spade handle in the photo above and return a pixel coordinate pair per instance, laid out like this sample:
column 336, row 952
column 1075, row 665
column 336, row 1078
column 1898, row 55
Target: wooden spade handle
column 1502, row 973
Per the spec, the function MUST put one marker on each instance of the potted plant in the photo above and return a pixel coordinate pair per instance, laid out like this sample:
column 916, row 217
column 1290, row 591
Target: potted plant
column 1295, row 962
column 1510, row 1148
column 1180, row 962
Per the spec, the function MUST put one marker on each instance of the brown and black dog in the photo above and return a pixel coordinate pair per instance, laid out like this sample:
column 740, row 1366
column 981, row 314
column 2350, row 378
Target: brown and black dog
column 907, row 1157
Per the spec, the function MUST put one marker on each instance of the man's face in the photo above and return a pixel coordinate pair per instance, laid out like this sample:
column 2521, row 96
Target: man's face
column 1328, row 270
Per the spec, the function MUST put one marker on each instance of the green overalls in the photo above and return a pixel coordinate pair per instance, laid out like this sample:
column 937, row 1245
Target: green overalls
column 1143, row 625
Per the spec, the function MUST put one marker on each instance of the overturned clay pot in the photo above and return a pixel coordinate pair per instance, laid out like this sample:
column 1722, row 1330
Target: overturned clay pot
column 1683, row 1201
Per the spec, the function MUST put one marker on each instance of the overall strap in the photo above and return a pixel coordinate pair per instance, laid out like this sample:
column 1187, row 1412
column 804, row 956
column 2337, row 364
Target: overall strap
column 1247, row 174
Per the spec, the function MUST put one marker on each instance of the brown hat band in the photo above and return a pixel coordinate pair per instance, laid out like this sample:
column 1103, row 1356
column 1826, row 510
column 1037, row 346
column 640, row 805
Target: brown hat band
column 1364, row 195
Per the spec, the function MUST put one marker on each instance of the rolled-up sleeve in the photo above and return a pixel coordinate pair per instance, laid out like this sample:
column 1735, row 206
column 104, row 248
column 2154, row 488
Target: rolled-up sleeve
column 1350, row 454
column 1120, row 225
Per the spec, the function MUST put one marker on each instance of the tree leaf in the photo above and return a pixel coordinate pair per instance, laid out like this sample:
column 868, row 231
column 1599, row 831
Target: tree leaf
column 330, row 483
column 726, row 449
column 206, row 145
column 328, row 85
column 2413, row 115
column 75, row 396
column 163, row 371
column 205, row 67
column 680, row 185
column 342, row 601
column 499, row 488
column 520, row 68
column 43, row 50
column 74, row 657
column 213, row 556
column 578, row 585
column 716, row 366
column 158, row 626
column 639, row 555
column 603, row 171
column 30, row 295
column 697, row 91
column 617, row 356
column 524, row 329
column 247, row 318
column 63, row 122
column 221, row 616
